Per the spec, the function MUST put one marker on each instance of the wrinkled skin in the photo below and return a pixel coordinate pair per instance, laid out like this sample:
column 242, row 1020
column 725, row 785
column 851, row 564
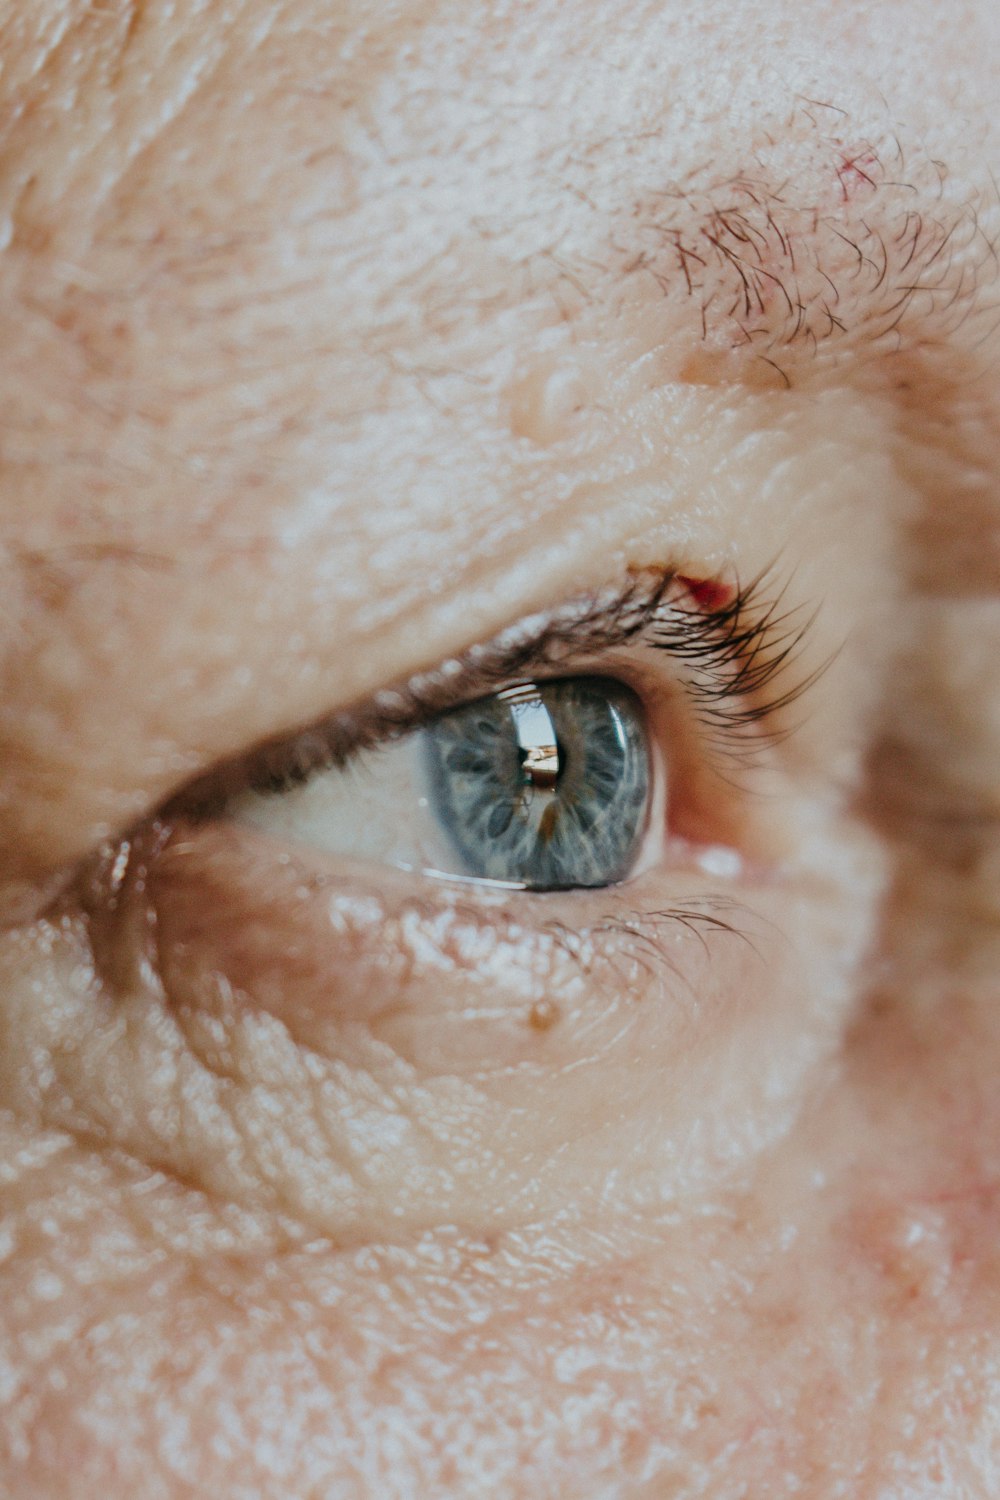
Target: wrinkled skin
column 336, row 339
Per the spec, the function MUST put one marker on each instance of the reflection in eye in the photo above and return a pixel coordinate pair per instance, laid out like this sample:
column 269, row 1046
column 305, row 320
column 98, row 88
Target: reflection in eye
column 545, row 784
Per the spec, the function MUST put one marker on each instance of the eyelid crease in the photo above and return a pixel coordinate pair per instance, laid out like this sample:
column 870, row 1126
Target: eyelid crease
column 736, row 643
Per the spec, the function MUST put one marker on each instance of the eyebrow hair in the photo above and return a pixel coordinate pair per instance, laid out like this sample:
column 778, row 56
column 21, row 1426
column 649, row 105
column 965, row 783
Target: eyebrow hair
column 821, row 244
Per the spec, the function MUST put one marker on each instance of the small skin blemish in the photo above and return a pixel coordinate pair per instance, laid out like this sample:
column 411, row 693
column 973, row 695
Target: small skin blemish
column 543, row 1015
column 858, row 170
column 710, row 594
column 543, row 403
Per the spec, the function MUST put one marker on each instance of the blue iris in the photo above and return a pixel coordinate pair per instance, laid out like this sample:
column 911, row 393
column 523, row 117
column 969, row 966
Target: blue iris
column 546, row 784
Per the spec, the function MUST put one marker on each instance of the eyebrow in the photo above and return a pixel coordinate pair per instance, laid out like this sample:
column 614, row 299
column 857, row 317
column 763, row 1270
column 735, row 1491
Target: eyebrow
column 857, row 249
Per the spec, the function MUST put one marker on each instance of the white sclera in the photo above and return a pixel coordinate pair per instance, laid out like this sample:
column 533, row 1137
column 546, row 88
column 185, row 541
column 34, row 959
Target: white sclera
column 377, row 808
column 385, row 807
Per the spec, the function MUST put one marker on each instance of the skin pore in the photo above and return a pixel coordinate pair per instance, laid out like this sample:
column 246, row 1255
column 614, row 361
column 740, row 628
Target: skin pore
column 339, row 339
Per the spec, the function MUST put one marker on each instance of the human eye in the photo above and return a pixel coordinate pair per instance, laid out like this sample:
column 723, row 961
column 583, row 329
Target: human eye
column 572, row 752
column 543, row 785
column 333, row 940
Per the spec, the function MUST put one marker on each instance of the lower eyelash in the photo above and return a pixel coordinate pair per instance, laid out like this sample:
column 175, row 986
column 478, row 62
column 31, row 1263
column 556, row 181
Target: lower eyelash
column 647, row 939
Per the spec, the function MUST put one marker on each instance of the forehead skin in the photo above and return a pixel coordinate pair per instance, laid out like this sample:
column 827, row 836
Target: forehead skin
column 205, row 342
column 336, row 337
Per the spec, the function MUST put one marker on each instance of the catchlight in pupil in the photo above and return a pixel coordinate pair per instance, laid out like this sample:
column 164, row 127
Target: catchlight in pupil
column 546, row 784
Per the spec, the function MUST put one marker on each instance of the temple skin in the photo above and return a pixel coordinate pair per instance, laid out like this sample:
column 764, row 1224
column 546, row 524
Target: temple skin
column 336, row 340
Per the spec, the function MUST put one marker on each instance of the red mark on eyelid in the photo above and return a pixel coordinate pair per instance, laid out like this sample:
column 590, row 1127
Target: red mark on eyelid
column 710, row 594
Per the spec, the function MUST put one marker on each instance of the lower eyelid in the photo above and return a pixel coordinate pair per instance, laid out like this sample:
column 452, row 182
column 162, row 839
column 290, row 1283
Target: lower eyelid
column 386, row 1040
column 329, row 952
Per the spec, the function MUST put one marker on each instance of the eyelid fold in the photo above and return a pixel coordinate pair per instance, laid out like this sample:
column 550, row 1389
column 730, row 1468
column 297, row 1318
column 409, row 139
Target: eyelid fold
column 476, row 808
column 735, row 644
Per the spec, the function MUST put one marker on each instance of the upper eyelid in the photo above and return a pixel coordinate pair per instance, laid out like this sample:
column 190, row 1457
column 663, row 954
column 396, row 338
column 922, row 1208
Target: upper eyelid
column 749, row 639
column 543, row 641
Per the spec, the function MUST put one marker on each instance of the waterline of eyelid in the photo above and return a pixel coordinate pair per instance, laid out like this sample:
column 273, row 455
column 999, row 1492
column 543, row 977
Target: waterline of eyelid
column 453, row 879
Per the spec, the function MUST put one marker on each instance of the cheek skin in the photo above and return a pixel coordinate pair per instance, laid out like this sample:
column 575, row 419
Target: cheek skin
column 537, row 1354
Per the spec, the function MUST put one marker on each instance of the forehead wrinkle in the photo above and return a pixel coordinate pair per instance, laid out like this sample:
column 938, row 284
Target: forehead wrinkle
column 819, row 242
column 816, row 245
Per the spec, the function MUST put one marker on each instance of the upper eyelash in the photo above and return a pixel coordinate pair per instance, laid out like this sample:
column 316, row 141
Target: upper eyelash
column 739, row 653
column 761, row 641
column 742, row 653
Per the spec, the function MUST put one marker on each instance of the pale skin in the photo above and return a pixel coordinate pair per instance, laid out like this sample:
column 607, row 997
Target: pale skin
column 337, row 339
